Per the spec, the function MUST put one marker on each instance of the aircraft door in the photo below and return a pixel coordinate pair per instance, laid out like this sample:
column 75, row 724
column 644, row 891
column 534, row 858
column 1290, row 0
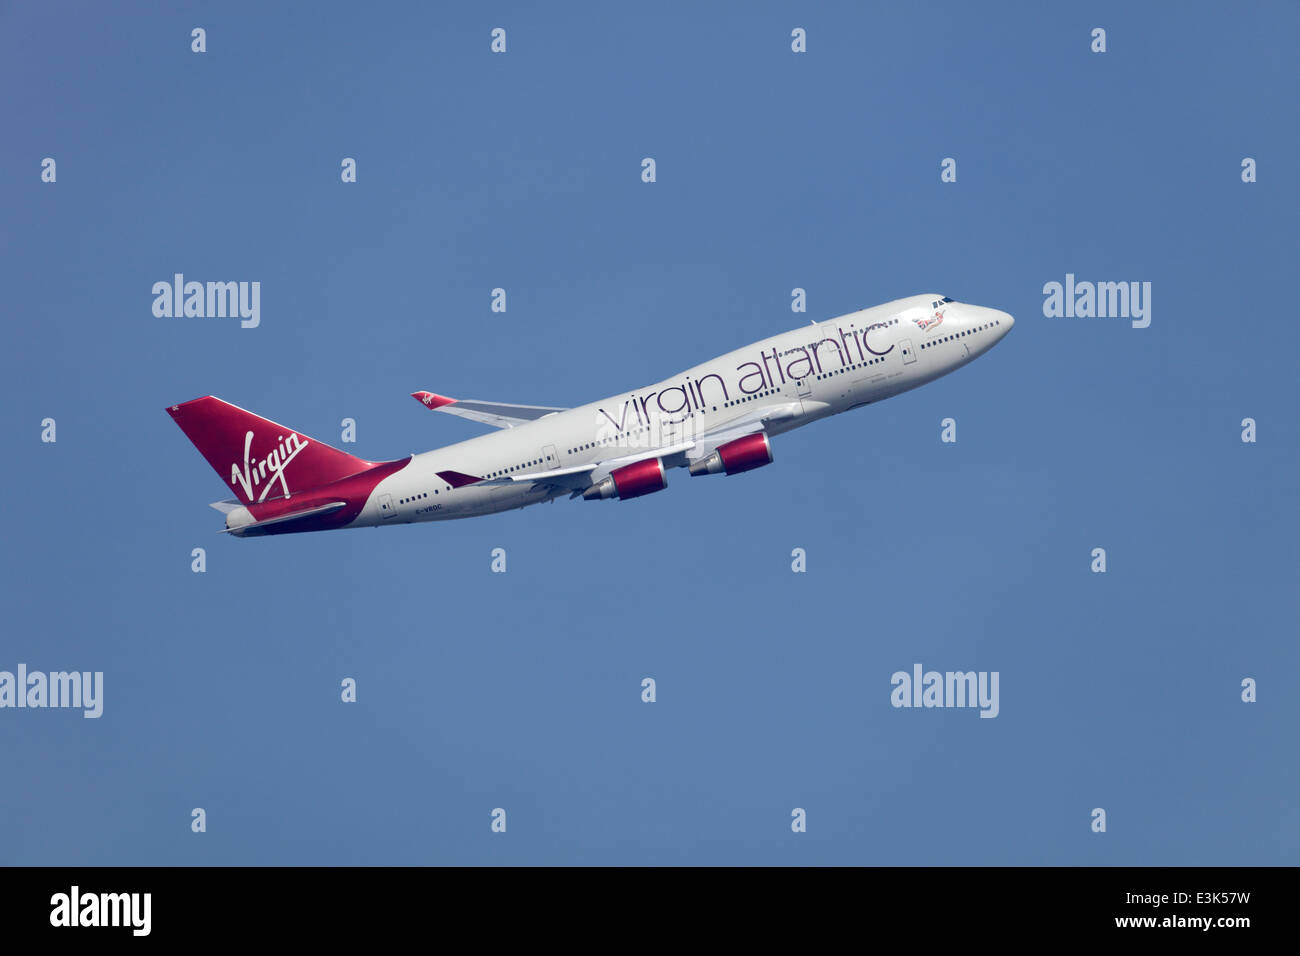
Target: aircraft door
column 550, row 457
column 386, row 509
column 908, row 352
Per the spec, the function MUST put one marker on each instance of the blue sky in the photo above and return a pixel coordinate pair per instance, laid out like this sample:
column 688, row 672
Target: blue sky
column 774, row 171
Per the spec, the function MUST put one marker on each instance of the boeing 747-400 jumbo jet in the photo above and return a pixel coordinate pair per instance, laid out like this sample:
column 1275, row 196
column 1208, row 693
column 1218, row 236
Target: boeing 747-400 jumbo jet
column 718, row 417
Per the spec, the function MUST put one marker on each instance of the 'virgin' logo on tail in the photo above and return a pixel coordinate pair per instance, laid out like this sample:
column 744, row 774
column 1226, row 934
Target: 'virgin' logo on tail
column 268, row 471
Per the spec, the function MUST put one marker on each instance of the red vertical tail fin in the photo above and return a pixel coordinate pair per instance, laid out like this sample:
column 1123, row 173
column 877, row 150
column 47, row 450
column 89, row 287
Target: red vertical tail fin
column 260, row 459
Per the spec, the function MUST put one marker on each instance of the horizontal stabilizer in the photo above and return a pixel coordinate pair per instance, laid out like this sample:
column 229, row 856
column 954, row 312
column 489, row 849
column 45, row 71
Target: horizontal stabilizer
column 257, row 527
column 458, row 479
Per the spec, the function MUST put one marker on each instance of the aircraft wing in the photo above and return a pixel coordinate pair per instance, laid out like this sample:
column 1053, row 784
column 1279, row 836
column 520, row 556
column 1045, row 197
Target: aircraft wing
column 580, row 477
column 575, row 477
column 496, row 414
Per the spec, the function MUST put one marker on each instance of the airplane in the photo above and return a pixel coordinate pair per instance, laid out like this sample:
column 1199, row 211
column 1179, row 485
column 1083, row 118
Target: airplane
column 716, row 418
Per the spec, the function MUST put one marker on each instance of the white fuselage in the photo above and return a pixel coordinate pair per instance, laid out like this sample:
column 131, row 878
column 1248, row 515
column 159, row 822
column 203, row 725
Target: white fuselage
column 789, row 380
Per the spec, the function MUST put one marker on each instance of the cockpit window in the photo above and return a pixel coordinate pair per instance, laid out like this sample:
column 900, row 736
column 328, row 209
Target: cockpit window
column 945, row 299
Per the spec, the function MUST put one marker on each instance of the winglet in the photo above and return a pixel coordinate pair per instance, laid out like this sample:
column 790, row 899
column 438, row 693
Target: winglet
column 431, row 400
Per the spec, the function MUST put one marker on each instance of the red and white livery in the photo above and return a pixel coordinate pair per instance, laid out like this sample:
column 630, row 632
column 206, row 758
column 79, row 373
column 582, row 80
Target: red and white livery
column 716, row 418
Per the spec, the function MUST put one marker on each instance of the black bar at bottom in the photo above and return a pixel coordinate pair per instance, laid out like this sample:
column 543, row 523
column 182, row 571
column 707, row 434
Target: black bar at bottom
column 338, row 905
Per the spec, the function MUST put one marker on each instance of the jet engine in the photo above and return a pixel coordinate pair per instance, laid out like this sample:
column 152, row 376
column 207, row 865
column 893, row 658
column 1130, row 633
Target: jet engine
column 743, row 454
column 630, row 481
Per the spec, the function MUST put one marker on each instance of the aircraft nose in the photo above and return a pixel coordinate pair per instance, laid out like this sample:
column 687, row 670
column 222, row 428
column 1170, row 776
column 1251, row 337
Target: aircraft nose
column 979, row 315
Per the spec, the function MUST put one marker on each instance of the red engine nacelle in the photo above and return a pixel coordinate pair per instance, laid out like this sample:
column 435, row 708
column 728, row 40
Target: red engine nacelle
column 630, row 481
column 743, row 454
